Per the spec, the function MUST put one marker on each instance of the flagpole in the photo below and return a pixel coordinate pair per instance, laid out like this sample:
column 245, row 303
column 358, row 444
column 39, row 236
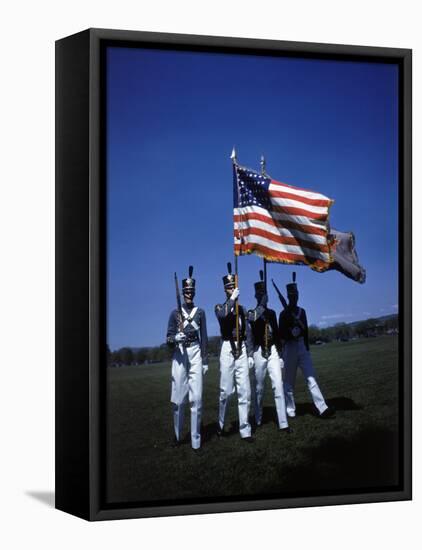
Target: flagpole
column 236, row 275
column 263, row 173
column 265, row 274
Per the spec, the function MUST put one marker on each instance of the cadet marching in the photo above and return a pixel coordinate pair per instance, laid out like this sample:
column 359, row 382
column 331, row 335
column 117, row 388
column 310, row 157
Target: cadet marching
column 267, row 356
column 187, row 335
column 235, row 357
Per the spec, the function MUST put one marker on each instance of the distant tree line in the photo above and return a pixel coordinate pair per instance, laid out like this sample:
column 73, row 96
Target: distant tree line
column 139, row 356
column 347, row 331
column 340, row 332
column 143, row 356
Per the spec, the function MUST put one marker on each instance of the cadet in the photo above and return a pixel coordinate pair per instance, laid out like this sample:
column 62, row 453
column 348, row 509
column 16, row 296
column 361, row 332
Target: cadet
column 293, row 327
column 234, row 362
column 266, row 356
column 187, row 335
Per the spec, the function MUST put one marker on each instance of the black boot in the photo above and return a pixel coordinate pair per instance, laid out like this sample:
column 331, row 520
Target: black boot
column 287, row 430
column 328, row 413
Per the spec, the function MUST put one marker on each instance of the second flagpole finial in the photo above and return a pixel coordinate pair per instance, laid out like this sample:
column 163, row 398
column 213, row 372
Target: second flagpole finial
column 262, row 164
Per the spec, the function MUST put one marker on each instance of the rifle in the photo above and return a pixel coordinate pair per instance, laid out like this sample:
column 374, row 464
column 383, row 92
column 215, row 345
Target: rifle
column 263, row 277
column 292, row 316
column 179, row 308
column 280, row 295
column 237, row 350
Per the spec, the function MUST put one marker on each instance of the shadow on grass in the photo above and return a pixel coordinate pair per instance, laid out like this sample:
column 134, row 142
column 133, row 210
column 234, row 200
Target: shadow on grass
column 269, row 415
column 344, row 404
column 209, row 431
column 370, row 459
column 337, row 403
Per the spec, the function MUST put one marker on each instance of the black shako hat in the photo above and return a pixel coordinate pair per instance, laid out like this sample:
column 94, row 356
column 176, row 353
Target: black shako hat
column 292, row 287
column 260, row 285
column 189, row 283
column 229, row 279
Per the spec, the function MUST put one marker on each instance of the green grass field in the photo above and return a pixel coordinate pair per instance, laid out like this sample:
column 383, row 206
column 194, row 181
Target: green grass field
column 356, row 450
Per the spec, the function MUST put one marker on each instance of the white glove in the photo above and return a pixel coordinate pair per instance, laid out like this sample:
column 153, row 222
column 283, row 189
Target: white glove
column 281, row 363
column 180, row 337
column 251, row 362
column 235, row 294
column 204, row 369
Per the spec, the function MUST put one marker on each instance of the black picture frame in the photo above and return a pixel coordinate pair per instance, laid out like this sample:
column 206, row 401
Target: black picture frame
column 80, row 267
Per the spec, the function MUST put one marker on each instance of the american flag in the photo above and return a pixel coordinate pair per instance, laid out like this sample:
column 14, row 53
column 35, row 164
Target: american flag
column 279, row 222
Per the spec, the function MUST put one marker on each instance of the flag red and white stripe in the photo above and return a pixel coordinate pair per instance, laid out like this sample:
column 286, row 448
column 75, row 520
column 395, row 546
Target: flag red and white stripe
column 285, row 224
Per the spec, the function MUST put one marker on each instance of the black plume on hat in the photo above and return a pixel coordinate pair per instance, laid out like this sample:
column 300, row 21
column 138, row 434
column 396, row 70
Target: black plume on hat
column 189, row 283
column 292, row 287
column 229, row 279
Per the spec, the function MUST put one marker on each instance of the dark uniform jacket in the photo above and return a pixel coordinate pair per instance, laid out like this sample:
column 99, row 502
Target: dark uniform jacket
column 293, row 325
column 175, row 325
column 264, row 329
column 226, row 315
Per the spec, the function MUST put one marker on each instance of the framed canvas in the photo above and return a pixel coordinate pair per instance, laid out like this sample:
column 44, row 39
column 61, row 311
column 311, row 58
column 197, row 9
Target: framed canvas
column 220, row 345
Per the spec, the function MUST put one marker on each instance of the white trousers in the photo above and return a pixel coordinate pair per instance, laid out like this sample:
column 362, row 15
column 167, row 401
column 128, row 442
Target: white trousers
column 296, row 355
column 235, row 373
column 186, row 381
column 272, row 365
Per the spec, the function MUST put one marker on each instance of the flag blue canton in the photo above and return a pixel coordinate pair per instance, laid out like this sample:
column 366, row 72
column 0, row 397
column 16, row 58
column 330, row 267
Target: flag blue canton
column 251, row 189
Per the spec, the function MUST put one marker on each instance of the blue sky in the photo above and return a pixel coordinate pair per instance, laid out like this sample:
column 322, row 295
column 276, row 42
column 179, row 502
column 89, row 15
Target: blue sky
column 172, row 120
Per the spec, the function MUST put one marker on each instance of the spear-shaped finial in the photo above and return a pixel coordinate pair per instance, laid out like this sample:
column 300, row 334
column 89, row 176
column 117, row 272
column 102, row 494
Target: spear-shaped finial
column 262, row 164
column 233, row 155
